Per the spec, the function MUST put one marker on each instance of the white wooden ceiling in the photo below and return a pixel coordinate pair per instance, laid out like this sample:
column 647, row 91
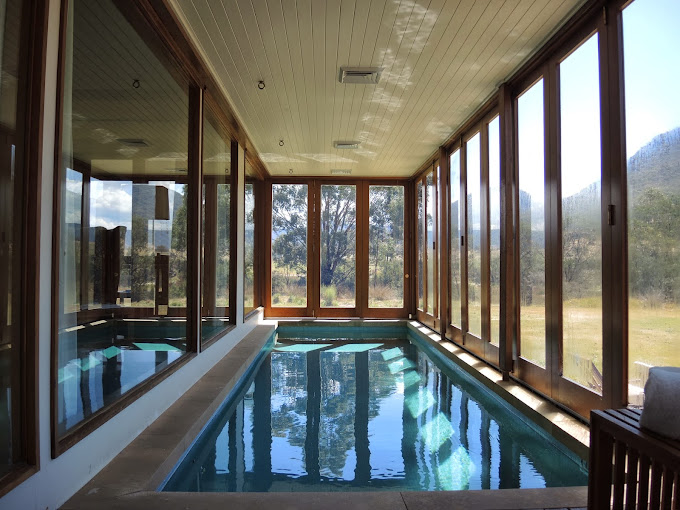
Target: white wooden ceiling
column 441, row 58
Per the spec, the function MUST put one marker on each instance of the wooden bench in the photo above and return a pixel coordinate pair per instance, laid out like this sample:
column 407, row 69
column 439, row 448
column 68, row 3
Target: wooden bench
column 631, row 468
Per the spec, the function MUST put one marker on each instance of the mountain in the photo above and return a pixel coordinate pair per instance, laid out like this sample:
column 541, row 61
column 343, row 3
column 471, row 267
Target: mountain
column 657, row 164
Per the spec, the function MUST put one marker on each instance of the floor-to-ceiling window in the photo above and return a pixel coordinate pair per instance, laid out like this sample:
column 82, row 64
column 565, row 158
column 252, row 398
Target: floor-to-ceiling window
column 385, row 246
column 652, row 141
column 216, row 240
column 338, row 248
column 531, row 226
column 251, row 256
column 289, row 238
column 581, row 203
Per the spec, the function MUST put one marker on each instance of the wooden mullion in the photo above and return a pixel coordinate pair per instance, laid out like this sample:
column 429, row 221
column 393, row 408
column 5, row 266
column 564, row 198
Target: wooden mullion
column 464, row 319
column 362, row 259
column 444, row 228
column 233, row 227
column 553, row 248
column 614, row 192
column 194, row 223
column 313, row 247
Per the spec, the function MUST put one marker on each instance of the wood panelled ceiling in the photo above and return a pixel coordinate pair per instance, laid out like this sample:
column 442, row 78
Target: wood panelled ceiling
column 442, row 59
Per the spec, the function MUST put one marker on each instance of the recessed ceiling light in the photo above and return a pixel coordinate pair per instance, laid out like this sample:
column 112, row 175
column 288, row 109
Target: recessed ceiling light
column 360, row 75
column 347, row 144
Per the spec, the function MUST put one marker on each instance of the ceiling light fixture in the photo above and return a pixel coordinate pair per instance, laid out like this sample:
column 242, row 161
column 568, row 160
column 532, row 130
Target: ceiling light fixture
column 280, row 143
column 351, row 144
column 341, row 171
column 260, row 85
column 360, row 75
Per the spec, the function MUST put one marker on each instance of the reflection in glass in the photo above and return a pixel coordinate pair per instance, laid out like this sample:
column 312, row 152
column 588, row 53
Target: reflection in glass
column 216, row 229
column 430, row 252
column 473, row 237
column 338, row 245
column 652, row 72
column 495, row 226
column 289, row 245
column 581, row 184
column 420, row 245
column 348, row 415
column 455, row 227
column 531, row 224
column 12, row 256
column 123, row 184
column 249, row 249
column 386, row 246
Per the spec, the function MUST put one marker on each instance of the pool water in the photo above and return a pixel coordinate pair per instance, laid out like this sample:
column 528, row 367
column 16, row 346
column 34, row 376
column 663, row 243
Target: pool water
column 340, row 414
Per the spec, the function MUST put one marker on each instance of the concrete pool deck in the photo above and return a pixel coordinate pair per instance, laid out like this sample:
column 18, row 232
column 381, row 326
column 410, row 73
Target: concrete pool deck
column 131, row 479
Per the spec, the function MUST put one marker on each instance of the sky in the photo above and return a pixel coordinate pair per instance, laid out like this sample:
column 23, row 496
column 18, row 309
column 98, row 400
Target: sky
column 652, row 72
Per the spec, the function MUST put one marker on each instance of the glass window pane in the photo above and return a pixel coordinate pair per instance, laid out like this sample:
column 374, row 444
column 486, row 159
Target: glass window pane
column 289, row 245
column 123, row 247
column 249, row 249
column 12, row 258
column 531, row 224
column 430, row 236
column 652, row 73
column 495, row 226
column 338, row 245
column 420, row 246
column 473, row 236
column 454, row 225
column 581, row 182
column 386, row 246
column 216, row 229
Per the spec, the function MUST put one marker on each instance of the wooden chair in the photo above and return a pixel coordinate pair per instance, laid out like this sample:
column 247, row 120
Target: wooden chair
column 631, row 468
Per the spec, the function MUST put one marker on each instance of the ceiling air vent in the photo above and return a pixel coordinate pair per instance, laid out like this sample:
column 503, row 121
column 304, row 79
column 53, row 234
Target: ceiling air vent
column 341, row 171
column 346, row 145
column 133, row 142
column 360, row 75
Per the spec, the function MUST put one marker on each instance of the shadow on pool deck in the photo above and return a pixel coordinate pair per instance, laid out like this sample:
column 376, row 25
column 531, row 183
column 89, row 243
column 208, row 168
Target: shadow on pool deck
column 131, row 479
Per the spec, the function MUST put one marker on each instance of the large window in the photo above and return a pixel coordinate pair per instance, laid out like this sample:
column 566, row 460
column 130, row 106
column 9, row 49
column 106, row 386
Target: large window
column 474, row 234
column 289, row 246
column 250, row 279
column 216, row 240
column 652, row 108
column 124, row 188
column 454, row 241
column 581, row 185
column 338, row 246
column 386, row 246
column 531, row 224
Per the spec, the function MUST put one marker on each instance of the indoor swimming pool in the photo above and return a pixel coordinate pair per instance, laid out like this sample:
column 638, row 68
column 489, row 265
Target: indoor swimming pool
column 354, row 409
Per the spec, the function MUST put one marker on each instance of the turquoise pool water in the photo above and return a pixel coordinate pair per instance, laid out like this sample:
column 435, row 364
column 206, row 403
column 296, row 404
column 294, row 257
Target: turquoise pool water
column 351, row 409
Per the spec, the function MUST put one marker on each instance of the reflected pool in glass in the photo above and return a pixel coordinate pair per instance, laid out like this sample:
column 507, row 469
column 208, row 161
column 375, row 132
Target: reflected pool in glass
column 342, row 414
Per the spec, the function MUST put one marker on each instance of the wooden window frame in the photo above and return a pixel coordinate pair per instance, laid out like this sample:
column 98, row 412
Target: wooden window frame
column 164, row 34
column 29, row 129
column 313, row 308
column 605, row 18
column 257, row 181
column 432, row 320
